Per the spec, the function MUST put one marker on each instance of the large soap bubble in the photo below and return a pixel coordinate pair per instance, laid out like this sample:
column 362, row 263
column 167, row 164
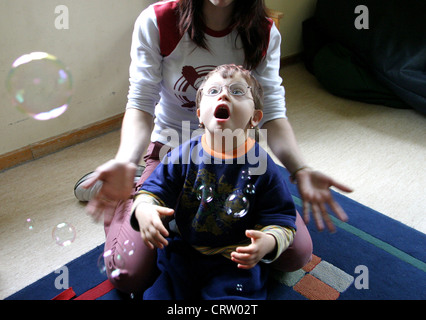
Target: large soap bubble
column 40, row 85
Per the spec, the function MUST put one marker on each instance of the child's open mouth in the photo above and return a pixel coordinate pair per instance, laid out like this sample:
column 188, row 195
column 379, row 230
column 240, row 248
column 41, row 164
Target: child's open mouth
column 222, row 112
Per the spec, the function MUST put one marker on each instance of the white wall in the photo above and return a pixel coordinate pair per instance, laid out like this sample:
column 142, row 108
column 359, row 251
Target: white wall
column 95, row 48
column 295, row 12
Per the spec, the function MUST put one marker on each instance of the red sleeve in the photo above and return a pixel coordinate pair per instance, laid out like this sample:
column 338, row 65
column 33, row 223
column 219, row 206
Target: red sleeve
column 167, row 20
column 270, row 23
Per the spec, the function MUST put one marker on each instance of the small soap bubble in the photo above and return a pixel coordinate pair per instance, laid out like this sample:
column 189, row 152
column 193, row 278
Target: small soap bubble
column 101, row 261
column 64, row 234
column 40, row 85
column 128, row 248
column 119, row 262
column 250, row 189
column 205, row 193
column 115, row 273
column 115, row 262
column 237, row 205
column 245, row 175
column 29, row 224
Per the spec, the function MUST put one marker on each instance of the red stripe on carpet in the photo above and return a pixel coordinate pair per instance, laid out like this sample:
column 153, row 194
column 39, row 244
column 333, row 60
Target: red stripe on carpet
column 96, row 292
column 65, row 295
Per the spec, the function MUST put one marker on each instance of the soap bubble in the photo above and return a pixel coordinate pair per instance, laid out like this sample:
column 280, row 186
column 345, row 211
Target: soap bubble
column 29, row 223
column 115, row 273
column 245, row 175
column 101, row 261
column 250, row 189
column 64, row 234
column 119, row 262
column 128, row 247
column 114, row 262
column 40, row 85
column 205, row 193
column 237, row 205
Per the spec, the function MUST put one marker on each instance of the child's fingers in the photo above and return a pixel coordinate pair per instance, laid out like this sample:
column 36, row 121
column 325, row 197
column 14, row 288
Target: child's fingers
column 158, row 232
column 243, row 261
column 240, row 256
column 158, row 226
column 164, row 211
column 152, row 229
column 153, row 239
column 146, row 241
column 254, row 234
column 154, row 234
column 246, row 250
column 250, row 248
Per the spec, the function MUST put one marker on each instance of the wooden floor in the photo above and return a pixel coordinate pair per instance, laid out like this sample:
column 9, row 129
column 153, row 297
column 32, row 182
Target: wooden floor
column 378, row 151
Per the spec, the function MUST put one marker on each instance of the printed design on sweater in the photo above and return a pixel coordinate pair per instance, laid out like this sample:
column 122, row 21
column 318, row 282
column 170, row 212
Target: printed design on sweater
column 204, row 200
column 188, row 84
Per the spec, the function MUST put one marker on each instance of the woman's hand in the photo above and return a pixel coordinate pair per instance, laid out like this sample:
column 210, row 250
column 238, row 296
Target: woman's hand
column 117, row 184
column 314, row 188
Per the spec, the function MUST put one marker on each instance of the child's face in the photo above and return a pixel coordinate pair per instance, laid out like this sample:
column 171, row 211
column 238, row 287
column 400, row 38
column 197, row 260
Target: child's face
column 224, row 110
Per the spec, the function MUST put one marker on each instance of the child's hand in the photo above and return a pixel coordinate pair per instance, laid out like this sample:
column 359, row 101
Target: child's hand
column 151, row 227
column 261, row 244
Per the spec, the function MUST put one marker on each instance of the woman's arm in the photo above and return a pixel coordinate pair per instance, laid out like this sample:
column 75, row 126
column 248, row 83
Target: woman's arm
column 135, row 136
column 117, row 175
column 282, row 141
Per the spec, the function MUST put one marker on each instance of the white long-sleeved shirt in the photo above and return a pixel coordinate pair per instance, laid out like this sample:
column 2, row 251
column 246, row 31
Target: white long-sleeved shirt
column 166, row 70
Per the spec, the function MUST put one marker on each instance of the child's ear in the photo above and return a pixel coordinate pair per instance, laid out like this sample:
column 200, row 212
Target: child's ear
column 257, row 116
column 198, row 113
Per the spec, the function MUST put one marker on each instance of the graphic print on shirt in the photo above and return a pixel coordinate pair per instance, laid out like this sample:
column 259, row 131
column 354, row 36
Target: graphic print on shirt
column 187, row 85
column 202, row 213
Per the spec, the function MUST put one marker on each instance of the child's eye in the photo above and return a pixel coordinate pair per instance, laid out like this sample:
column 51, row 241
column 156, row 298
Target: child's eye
column 237, row 89
column 213, row 90
column 237, row 92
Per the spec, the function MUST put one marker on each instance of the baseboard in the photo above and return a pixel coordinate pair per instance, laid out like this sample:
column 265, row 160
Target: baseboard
column 50, row 145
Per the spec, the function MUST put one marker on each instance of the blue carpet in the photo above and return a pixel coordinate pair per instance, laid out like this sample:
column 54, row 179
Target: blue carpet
column 370, row 257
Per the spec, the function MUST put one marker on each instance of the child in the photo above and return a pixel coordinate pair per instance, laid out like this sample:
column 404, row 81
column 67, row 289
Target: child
column 227, row 220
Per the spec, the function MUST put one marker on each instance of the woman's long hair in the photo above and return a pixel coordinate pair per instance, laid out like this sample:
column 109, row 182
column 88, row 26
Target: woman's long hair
column 248, row 18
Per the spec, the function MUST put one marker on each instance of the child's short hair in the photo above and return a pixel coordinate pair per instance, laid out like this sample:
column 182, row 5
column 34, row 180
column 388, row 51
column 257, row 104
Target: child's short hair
column 227, row 71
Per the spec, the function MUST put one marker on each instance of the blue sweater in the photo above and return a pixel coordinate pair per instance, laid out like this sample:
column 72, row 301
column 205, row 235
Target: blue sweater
column 216, row 199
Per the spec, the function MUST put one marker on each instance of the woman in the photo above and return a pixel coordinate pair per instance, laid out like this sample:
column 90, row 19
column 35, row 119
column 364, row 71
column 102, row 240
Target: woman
column 174, row 45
